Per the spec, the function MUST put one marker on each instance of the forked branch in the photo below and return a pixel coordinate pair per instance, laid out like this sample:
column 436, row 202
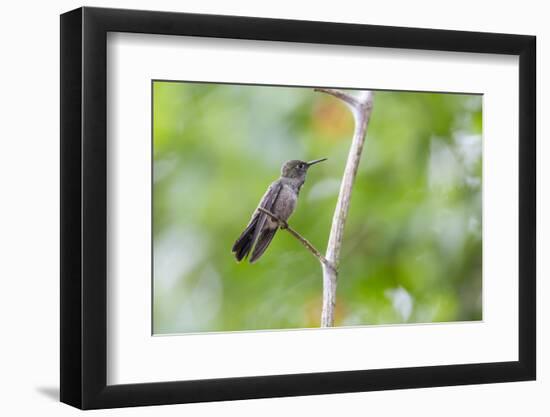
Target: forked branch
column 361, row 108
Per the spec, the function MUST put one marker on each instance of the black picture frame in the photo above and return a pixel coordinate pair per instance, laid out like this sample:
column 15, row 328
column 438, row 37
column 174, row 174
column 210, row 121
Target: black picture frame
column 84, row 207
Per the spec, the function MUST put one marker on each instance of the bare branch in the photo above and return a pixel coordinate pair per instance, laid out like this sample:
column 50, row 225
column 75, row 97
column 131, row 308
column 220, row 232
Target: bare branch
column 361, row 106
column 284, row 225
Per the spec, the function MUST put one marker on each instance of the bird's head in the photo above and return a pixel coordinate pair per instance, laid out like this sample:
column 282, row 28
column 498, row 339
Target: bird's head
column 297, row 168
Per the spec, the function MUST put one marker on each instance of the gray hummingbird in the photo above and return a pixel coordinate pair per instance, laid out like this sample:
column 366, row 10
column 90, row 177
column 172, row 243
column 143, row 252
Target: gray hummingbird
column 280, row 199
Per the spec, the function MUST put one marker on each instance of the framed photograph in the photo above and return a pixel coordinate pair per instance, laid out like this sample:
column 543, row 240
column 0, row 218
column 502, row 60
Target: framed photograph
column 257, row 208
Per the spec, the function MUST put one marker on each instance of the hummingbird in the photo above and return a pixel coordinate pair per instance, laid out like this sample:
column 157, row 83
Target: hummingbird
column 280, row 199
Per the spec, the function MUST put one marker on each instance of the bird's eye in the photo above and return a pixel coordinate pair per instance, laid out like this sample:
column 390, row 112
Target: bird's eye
column 301, row 166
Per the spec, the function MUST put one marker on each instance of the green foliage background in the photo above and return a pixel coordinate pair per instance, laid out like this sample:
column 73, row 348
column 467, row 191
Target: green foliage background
column 412, row 248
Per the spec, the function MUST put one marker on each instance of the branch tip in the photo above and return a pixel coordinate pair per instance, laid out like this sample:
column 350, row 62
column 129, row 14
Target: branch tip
column 345, row 97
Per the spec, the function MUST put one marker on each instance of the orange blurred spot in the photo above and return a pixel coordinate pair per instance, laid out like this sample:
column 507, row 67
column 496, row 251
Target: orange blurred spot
column 331, row 118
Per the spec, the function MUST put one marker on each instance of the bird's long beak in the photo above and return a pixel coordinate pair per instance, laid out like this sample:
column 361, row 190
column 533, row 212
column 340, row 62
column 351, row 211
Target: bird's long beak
column 310, row 163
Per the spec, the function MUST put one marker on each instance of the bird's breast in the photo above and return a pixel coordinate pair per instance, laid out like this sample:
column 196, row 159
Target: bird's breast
column 286, row 202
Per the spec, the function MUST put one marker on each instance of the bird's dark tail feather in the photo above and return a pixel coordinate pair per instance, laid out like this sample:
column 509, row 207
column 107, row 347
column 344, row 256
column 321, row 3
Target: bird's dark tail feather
column 244, row 243
column 263, row 242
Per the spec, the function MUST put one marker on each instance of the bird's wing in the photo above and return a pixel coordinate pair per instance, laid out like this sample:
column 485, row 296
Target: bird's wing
column 270, row 196
column 267, row 202
column 248, row 237
column 263, row 242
